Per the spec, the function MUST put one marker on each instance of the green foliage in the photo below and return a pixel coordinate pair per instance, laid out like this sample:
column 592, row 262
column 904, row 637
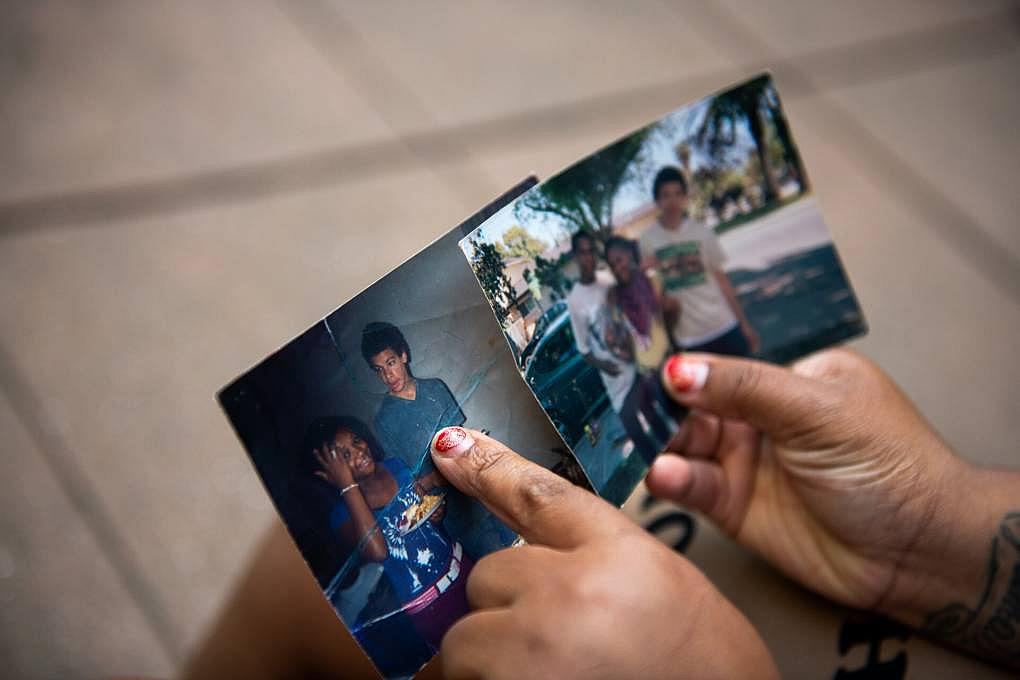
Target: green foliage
column 780, row 131
column 776, row 151
column 550, row 275
column 710, row 183
column 582, row 195
column 718, row 129
column 488, row 266
column 518, row 242
column 757, row 105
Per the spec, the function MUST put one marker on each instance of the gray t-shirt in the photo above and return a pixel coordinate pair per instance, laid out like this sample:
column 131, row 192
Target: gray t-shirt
column 686, row 258
column 405, row 427
column 592, row 320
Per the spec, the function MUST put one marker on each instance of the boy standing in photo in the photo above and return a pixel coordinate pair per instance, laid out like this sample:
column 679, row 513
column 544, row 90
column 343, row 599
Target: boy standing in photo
column 414, row 409
column 410, row 414
column 589, row 319
column 687, row 255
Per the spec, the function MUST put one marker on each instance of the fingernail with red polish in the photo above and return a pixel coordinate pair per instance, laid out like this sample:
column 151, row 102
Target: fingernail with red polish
column 684, row 374
column 451, row 442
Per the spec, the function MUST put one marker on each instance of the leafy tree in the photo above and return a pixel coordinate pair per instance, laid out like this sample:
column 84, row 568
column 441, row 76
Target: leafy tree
column 488, row 266
column 518, row 242
column 582, row 195
column 781, row 131
column 718, row 129
column 713, row 186
column 776, row 151
column 550, row 275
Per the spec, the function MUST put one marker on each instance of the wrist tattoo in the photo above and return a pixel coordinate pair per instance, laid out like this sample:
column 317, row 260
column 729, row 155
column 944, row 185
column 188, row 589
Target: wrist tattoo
column 992, row 629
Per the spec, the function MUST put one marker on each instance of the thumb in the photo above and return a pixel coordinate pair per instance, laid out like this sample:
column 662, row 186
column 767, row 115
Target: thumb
column 538, row 504
column 772, row 399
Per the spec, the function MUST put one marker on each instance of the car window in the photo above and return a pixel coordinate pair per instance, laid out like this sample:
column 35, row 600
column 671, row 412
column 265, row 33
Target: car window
column 549, row 316
column 557, row 348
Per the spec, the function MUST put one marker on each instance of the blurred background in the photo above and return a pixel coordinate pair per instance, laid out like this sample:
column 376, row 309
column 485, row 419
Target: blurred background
column 184, row 186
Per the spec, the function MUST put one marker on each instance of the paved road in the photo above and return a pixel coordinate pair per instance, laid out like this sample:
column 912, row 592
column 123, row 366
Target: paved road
column 601, row 460
column 790, row 229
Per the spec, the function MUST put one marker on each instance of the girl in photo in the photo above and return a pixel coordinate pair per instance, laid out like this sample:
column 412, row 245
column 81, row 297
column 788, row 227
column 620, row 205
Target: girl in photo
column 390, row 518
column 635, row 299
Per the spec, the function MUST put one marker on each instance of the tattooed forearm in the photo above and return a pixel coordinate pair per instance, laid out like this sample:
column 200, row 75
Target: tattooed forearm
column 992, row 628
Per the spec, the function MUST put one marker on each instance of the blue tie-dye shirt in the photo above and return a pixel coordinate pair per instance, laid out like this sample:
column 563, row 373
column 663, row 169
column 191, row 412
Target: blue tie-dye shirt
column 406, row 426
column 417, row 559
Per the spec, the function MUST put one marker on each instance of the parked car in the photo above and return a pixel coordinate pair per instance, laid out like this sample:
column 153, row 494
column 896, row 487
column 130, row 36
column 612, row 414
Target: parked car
column 569, row 388
column 557, row 310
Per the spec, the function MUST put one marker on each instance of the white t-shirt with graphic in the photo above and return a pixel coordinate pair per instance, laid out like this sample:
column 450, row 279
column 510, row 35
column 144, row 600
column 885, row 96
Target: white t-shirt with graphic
column 686, row 258
column 594, row 325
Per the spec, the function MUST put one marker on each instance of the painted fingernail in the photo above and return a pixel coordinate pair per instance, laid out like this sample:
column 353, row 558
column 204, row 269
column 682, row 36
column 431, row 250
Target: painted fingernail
column 684, row 374
column 451, row 442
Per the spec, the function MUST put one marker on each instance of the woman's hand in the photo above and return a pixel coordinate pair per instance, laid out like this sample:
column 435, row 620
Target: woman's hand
column 333, row 467
column 826, row 470
column 591, row 596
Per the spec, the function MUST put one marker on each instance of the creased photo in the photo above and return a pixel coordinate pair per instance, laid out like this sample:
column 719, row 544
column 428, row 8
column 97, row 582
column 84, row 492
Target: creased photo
column 697, row 233
column 339, row 423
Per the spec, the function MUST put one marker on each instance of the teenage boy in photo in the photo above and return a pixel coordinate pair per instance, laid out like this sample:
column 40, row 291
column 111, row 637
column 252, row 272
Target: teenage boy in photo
column 687, row 255
column 411, row 413
column 414, row 409
column 589, row 318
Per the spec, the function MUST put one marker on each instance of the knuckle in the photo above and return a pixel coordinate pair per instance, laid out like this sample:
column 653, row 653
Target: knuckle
column 489, row 563
column 484, row 459
column 849, row 360
column 482, row 575
column 454, row 638
column 452, row 649
column 745, row 385
column 538, row 632
column 590, row 588
column 832, row 366
column 537, row 490
column 496, row 470
column 555, row 632
column 748, row 378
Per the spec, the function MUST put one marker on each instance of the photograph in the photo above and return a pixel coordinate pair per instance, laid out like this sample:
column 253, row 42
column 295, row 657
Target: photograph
column 339, row 424
column 697, row 233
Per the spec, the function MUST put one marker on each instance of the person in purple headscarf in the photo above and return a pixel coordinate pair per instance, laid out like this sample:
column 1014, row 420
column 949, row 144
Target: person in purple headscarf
column 640, row 305
column 647, row 312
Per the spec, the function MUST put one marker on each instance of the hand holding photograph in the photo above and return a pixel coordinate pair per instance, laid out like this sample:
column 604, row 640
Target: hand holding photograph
column 339, row 423
column 697, row 233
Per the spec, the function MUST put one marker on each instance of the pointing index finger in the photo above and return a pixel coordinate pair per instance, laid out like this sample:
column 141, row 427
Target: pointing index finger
column 540, row 505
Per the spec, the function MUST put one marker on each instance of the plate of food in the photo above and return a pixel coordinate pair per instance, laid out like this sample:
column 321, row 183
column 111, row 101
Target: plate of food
column 418, row 513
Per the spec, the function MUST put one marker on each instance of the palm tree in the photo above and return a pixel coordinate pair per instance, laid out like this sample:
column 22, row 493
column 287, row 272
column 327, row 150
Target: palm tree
column 791, row 155
column 718, row 128
column 582, row 196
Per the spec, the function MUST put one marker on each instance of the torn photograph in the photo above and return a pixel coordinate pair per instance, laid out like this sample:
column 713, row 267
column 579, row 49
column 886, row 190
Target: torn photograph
column 339, row 423
column 697, row 233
